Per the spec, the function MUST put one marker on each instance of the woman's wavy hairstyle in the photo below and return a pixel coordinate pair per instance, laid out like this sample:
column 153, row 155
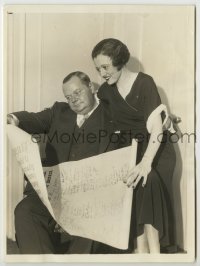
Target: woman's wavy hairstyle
column 115, row 49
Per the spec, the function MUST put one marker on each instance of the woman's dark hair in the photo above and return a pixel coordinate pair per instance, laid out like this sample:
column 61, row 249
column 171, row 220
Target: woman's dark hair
column 115, row 49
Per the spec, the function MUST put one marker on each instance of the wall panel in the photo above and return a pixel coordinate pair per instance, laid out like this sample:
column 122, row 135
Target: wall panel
column 160, row 43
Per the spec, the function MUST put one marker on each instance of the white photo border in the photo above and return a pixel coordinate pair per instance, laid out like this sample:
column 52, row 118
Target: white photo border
column 172, row 258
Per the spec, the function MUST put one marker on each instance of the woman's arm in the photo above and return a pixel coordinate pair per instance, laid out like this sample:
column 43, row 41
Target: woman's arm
column 144, row 167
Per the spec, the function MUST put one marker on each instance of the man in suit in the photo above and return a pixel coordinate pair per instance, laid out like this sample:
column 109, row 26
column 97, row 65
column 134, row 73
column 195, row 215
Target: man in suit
column 76, row 129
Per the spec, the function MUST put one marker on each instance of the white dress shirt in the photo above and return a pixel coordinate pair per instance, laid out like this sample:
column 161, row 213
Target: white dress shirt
column 82, row 118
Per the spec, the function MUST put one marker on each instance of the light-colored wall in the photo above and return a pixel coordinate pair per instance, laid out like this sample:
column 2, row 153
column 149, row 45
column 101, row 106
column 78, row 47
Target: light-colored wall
column 161, row 44
column 168, row 55
column 14, row 101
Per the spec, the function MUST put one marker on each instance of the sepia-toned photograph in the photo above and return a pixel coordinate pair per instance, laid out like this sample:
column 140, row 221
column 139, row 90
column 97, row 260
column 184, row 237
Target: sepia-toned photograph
column 99, row 107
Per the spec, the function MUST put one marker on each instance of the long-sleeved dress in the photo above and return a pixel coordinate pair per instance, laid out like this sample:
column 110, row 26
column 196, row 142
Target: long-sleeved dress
column 133, row 117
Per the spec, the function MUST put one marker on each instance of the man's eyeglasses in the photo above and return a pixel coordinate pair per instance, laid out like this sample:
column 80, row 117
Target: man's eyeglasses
column 75, row 95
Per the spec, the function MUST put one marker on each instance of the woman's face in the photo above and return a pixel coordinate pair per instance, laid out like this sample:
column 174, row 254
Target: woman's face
column 104, row 66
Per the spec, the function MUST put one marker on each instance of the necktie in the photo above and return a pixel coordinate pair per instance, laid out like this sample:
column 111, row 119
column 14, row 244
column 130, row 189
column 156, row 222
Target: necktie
column 82, row 121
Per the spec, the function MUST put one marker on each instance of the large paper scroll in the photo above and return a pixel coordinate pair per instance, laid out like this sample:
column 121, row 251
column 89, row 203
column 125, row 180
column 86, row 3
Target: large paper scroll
column 88, row 197
column 28, row 156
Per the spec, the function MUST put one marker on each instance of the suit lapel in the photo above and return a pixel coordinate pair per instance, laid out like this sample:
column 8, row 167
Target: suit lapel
column 107, row 127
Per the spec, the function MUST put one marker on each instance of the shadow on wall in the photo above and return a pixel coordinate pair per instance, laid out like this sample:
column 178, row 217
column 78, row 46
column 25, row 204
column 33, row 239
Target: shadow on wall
column 176, row 176
column 135, row 65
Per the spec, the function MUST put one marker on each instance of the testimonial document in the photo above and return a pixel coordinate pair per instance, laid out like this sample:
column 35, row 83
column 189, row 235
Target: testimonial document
column 87, row 198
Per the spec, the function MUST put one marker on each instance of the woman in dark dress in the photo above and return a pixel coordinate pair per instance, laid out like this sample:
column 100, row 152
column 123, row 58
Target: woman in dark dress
column 137, row 112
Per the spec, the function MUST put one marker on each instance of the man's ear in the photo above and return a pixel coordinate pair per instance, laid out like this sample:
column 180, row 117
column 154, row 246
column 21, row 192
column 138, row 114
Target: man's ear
column 91, row 86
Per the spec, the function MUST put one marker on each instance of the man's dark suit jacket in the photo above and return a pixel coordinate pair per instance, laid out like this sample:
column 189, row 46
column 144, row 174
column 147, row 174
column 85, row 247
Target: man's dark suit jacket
column 59, row 124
